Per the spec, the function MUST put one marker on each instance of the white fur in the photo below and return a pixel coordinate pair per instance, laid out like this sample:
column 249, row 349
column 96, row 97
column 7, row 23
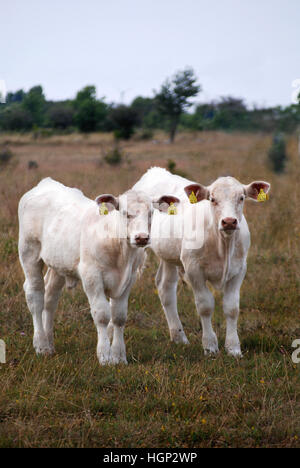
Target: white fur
column 63, row 229
column 220, row 258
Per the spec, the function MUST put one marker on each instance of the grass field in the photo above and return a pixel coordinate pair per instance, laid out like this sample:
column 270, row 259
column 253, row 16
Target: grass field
column 169, row 395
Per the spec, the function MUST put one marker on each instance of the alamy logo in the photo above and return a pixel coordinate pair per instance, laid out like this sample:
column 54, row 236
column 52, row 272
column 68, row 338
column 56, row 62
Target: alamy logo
column 296, row 353
column 2, row 92
column 2, row 352
column 296, row 91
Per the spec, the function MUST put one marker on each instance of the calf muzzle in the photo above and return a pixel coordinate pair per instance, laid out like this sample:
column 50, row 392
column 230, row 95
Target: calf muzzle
column 229, row 224
column 142, row 239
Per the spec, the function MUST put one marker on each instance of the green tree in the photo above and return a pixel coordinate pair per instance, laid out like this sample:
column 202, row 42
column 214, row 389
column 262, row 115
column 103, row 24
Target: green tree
column 231, row 113
column 15, row 118
column 90, row 114
column 34, row 102
column 18, row 96
column 123, row 119
column 173, row 98
column 277, row 154
column 60, row 115
column 142, row 106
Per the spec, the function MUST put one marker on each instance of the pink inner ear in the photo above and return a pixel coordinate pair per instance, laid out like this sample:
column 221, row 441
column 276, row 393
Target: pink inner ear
column 168, row 199
column 255, row 188
column 106, row 199
column 199, row 191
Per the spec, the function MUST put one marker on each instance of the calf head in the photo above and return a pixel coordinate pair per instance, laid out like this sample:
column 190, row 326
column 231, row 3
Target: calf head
column 227, row 196
column 136, row 210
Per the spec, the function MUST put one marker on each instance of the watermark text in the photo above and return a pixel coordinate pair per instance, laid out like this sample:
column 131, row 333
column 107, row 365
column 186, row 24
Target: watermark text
column 2, row 352
column 296, row 353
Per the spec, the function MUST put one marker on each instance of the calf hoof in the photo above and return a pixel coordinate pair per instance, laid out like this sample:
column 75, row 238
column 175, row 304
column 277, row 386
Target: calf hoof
column 178, row 336
column 212, row 351
column 235, row 352
column 104, row 359
column 42, row 346
column 118, row 355
column 210, row 345
column 118, row 360
column 44, row 350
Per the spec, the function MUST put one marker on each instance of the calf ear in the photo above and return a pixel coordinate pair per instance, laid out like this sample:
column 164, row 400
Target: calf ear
column 252, row 190
column 111, row 202
column 163, row 203
column 201, row 192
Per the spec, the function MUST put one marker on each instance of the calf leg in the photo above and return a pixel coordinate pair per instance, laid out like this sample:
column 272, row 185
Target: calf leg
column 34, row 292
column 166, row 283
column 205, row 304
column 118, row 319
column 53, row 287
column 100, row 309
column 231, row 302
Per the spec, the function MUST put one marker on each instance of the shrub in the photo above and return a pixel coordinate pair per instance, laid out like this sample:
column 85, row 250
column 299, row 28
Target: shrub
column 277, row 154
column 114, row 156
column 171, row 166
column 32, row 165
column 90, row 114
column 61, row 116
column 35, row 103
column 5, row 155
column 144, row 134
column 15, row 118
column 123, row 119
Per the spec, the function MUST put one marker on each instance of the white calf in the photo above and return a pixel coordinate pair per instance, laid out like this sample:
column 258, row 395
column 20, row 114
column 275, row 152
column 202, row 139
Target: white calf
column 216, row 250
column 66, row 231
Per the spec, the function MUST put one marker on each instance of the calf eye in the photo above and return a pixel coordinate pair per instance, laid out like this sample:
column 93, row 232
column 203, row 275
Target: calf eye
column 242, row 198
column 213, row 200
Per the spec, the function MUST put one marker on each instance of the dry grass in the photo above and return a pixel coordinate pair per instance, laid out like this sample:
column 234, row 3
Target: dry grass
column 168, row 395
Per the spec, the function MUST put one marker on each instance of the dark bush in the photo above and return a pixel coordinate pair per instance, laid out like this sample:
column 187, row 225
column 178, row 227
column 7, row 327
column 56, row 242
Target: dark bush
column 60, row 116
column 144, row 134
column 114, row 156
column 277, row 154
column 90, row 114
column 35, row 103
column 123, row 119
column 171, row 166
column 143, row 107
column 15, row 118
column 32, row 165
column 5, row 155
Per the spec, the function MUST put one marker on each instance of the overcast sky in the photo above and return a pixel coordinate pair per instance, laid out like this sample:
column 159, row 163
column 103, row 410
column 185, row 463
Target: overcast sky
column 244, row 48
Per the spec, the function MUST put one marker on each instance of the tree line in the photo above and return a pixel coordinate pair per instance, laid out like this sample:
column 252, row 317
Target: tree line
column 169, row 109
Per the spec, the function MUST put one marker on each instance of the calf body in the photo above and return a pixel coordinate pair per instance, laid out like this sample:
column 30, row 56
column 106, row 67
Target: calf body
column 61, row 228
column 214, row 249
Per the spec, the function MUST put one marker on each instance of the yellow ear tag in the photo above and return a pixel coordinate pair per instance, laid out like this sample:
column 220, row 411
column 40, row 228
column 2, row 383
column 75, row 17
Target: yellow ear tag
column 262, row 196
column 103, row 209
column 172, row 210
column 193, row 198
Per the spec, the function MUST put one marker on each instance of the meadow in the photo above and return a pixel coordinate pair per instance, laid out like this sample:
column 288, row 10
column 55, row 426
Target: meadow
column 169, row 395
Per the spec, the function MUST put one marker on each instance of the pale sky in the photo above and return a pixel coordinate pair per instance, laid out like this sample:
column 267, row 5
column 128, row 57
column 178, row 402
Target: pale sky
column 243, row 48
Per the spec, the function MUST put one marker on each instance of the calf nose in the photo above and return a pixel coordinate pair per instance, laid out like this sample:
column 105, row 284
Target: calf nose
column 229, row 223
column 142, row 238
